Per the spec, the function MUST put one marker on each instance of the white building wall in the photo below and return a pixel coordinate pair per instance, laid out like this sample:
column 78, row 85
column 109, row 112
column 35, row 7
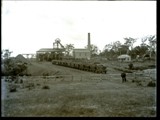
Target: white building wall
column 126, row 59
column 82, row 55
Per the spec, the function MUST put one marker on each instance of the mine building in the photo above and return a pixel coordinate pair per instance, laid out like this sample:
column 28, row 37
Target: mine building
column 83, row 53
column 57, row 52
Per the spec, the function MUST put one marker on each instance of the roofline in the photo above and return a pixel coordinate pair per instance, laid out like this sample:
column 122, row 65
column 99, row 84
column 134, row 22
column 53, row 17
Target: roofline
column 80, row 49
column 49, row 50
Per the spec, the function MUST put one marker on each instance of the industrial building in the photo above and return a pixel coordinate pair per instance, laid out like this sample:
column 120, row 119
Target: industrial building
column 83, row 53
column 58, row 50
column 51, row 53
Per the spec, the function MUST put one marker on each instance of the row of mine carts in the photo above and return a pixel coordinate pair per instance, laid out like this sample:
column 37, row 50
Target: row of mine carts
column 91, row 67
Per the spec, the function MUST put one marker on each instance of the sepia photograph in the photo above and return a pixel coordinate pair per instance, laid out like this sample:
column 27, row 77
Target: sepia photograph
column 71, row 58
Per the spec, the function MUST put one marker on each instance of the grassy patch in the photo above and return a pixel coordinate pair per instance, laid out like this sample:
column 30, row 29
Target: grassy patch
column 75, row 99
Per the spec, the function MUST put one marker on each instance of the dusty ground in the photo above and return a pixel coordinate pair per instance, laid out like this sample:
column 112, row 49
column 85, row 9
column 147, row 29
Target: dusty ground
column 84, row 94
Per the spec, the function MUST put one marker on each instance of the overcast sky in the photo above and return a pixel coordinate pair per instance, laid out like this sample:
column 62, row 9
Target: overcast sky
column 28, row 26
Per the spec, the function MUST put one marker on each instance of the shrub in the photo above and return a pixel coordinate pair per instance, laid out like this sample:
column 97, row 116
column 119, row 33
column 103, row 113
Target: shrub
column 139, row 83
column 28, row 74
column 21, row 81
column 140, row 68
column 45, row 87
column 130, row 66
column 16, row 81
column 45, row 74
column 12, row 88
column 38, row 84
column 96, row 62
column 29, row 85
column 151, row 66
column 151, row 84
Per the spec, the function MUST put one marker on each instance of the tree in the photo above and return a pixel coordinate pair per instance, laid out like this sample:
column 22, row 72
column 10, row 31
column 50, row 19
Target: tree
column 105, row 52
column 10, row 66
column 69, row 48
column 112, row 49
column 6, row 53
column 116, row 45
column 152, row 43
column 108, row 47
column 139, row 50
column 143, row 40
column 94, row 49
column 124, row 49
column 130, row 41
column 113, row 46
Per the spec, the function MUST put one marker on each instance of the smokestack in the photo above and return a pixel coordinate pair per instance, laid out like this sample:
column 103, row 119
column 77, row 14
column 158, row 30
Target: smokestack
column 89, row 41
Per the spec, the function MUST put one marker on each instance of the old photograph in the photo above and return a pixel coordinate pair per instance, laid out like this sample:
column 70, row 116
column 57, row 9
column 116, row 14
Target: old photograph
column 78, row 58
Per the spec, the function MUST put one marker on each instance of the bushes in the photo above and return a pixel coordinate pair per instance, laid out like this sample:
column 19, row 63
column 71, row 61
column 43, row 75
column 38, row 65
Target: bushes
column 13, row 68
column 29, row 86
column 138, row 82
column 144, row 83
column 96, row 63
column 151, row 66
column 144, row 67
column 140, row 68
column 151, row 84
column 12, row 88
column 124, row 70
column 45, row 87
column 130, row 66
column 45, row 75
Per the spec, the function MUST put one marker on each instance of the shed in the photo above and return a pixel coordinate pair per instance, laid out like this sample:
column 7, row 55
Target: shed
column 125, row 58
column 81, row 54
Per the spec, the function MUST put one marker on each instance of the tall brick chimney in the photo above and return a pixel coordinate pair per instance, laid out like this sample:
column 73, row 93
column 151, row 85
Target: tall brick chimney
column 89, row 43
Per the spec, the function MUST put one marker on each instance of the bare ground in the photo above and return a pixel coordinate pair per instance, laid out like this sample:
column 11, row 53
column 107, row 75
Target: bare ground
column 79, row 96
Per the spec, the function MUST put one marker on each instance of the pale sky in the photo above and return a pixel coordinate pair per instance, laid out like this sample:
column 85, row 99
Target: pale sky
column 28, row 26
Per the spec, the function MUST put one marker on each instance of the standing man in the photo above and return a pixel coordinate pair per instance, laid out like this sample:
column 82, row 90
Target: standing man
column 123, row 75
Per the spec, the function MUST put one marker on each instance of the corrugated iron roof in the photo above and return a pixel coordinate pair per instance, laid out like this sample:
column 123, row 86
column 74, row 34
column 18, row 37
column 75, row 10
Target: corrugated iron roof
column 48, row 50
column 124, row 56
column 81, row 50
